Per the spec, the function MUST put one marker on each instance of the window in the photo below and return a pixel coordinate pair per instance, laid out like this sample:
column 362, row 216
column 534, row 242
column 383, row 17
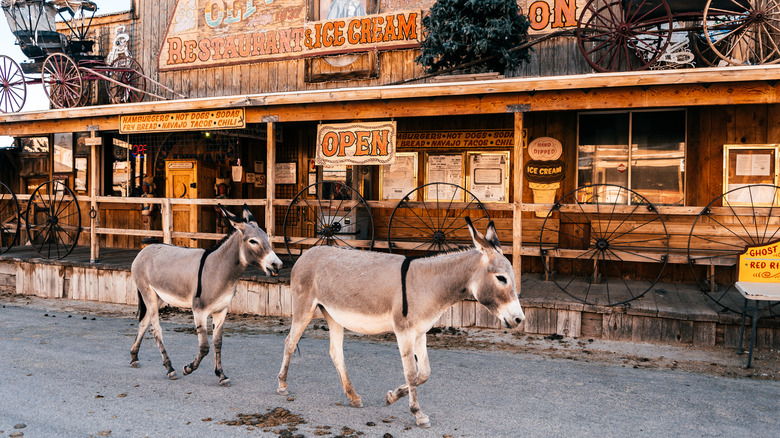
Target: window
column 640, row 150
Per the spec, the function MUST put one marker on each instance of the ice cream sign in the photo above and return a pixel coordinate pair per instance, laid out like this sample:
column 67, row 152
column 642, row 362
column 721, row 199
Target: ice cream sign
column 544, row 171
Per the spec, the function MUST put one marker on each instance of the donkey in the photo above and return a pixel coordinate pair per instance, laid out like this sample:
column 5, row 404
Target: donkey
column 371, row 292
column 203, row 280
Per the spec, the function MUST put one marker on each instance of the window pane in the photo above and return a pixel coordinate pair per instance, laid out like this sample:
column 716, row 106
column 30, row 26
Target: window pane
column 657, row 156
column 63, row 153
column 603, row 149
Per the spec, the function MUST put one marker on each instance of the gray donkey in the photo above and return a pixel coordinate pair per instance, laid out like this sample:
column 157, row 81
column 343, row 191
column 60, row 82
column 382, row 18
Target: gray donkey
column 203, row 280
column 372, row 292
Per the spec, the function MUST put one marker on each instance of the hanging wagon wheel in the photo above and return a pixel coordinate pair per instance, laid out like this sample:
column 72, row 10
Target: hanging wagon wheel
column 13, row 89
column 437, row 222
column 53, row 220
column 621, row 35
column 719, row 234
column 62, row 81
column 9, row 218
column 743, row 32
column 596, row 235
column 128, row 73
column 327, row 213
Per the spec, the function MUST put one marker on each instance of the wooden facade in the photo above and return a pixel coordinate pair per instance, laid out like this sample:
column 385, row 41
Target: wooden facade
column 286, row 100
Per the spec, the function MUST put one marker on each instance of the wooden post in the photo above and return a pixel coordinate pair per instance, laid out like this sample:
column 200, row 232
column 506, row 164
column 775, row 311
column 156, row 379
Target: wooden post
column 94, row 244
column 167, row 220
column 517, row 215
column 271, row 181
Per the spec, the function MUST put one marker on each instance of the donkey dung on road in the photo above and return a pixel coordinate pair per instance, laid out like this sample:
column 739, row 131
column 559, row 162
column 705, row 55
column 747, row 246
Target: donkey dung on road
column 201, row 280
column 372, row 292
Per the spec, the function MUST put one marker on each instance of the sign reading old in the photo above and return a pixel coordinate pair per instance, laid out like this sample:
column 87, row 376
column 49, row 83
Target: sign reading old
column 356, row 143
column 184, row 121
column 760, row 264
column 204, row 33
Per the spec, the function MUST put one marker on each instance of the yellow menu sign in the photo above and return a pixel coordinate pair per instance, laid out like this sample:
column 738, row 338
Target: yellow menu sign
column 760, row 264
column 184, row 121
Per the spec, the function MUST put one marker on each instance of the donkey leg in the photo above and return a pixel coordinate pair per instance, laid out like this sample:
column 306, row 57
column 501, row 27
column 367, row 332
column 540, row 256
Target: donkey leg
column 158, row 337
column 218, row 319
column 337, row 354
column 302, row 315
column 423, row 370
column 201, row 321
column 143, row 325
column 406, row 345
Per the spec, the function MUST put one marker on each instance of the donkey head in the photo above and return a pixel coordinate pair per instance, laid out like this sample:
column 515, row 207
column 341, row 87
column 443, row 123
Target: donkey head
column 493, row 282
column 255, row 247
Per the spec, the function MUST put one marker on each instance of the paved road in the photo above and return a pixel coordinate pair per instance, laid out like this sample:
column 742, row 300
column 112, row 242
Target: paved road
column 62, row 375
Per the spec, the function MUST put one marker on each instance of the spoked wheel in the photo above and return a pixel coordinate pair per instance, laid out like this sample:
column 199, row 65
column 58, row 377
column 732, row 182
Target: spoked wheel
column 127, row 72
column 609, row 244
column 624, row 36
column 437, row 222
column 53, row 220
column 9, row 218
column 62, row 81
column 13, row 88
column 742, row 217
column 327, row 213
column 744, row 32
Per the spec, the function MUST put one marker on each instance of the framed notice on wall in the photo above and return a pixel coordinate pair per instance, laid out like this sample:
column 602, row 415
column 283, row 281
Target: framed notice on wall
column 488, row 176
column 445, row 168
column 750, row 164
column 399, row 178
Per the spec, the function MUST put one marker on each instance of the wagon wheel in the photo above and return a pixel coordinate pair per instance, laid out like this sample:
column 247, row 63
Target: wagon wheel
column 719, row 235
column 126, row 72
column 624, row 36
column 62, row 81
column 53, row 220
column 9, row 218
column 597, row 240
column 327, row 213
column 14, row 89
column 437, row 222
column 748, row 31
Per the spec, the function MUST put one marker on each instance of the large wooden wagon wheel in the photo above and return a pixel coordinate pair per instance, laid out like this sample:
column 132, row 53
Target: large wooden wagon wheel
column 9, row 218
column 62, row 81
column 13, row 88
column 327, row 213
column 617, row 35
column 592, row 239
column 127, row 73
column 53, row 220
column 437, row 222
column 748, row 215
column 746, row 31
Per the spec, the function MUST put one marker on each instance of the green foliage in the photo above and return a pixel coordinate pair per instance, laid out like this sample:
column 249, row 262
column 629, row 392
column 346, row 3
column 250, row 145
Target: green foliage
column 461, row 31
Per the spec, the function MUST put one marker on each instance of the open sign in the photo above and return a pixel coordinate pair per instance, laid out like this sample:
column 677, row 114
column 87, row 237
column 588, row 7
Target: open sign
column 138, row 150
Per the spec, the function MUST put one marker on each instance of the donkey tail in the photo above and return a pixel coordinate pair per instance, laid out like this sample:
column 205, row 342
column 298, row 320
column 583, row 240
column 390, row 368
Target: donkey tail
column 141, row 306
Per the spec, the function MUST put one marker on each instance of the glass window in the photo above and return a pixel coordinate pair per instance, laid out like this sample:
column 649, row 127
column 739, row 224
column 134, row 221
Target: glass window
column 640, row 150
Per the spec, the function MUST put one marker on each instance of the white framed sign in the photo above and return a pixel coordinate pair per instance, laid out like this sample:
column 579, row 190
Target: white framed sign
column 399, row 178
column 488, row 176
column 286, row 173
column 446, row 168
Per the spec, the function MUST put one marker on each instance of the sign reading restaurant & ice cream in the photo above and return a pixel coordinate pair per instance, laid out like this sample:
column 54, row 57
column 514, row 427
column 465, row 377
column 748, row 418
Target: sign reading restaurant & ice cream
column 206, row 33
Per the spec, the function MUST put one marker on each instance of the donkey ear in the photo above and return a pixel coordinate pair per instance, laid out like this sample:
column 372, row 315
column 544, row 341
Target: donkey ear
column 481, row 242
column 230, row 216
column 247, row 214
column 492, row 236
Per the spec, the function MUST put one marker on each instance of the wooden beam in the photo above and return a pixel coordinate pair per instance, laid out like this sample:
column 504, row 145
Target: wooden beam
column 517, row 201
column 270, row 182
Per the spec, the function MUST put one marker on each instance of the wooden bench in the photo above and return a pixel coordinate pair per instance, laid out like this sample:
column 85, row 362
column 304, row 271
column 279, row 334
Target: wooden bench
column 758, row 279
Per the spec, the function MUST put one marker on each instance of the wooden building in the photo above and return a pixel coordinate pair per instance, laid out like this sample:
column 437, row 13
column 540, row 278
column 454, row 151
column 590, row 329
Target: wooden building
column 280, row 97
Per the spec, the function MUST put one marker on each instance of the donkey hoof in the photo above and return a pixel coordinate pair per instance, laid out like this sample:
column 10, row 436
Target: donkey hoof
column 358, row 403
column 225, row 382
column 282, row 391
column 187, row 370
column 390, row 398
column 423, row 422
column 172, row 375
column 135, row 364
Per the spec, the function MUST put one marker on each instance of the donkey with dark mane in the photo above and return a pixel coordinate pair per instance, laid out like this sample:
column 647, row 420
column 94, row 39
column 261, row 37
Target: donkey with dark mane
column 371, row 292
column 201, row 280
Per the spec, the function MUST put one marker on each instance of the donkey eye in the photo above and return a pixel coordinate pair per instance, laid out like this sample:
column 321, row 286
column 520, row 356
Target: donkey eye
column 253, row 242
column 501, row 279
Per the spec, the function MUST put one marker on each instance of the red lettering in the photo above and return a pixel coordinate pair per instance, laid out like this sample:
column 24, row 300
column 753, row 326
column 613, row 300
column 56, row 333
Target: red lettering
column 363, row 147
column 174, row 51
column 346, row 139
column 329, row 144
